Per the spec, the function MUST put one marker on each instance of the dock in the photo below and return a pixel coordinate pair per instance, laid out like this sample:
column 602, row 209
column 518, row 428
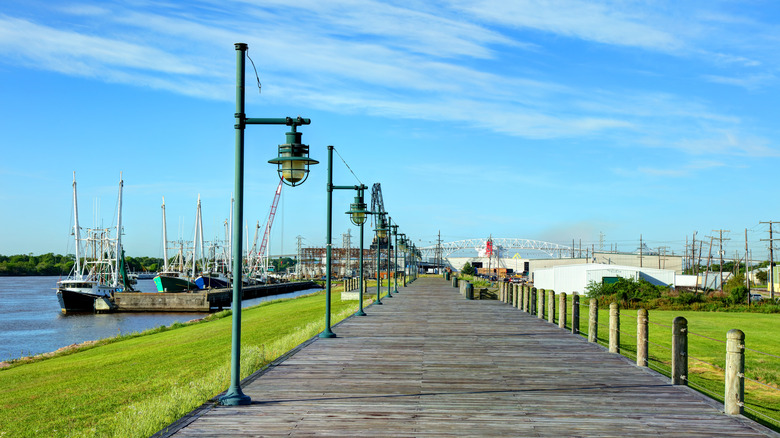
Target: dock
column 199, row 301
column 429, row 362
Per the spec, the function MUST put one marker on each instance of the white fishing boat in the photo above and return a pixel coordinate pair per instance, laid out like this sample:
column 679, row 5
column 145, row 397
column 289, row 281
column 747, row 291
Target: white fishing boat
column 99, row 270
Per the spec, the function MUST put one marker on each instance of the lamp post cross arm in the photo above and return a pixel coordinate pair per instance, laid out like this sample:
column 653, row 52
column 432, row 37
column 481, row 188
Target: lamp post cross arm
column 289, row 121
column 333, row 187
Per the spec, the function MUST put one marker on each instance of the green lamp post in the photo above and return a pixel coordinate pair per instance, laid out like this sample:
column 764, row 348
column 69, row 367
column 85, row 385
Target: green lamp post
column 358, row 215
column 395, row 259
column 389, row 255
column 381, row 233
column 293, row 166
column 402, row 247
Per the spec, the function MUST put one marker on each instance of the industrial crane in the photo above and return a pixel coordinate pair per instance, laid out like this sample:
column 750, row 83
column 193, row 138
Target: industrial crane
column 257, row 257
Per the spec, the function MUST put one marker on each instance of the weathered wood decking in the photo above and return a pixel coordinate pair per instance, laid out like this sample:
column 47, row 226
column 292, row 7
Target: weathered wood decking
column 430, row 363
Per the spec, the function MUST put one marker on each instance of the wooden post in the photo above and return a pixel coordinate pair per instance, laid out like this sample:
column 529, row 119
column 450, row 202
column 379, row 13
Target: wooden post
column 734, row 398
column 614, row 328
column 517, row 295
column 562, row 310
column 642, row 337
column 532, row 302
column 575, row 313
column 679, row 351
column 540, row 304
column 551, row 306
column 593, row 321
column 526, row 293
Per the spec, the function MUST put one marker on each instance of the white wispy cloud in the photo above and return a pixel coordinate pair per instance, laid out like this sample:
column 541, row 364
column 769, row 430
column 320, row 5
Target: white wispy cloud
column 437, row 62
column 608, row 23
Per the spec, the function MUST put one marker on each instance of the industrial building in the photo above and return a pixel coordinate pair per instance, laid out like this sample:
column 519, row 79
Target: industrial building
column 575, row 278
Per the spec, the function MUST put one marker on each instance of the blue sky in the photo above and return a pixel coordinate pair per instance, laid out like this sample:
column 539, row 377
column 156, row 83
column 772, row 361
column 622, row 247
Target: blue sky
column 546, row 120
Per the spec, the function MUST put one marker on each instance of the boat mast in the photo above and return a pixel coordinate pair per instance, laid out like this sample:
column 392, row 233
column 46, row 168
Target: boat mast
column 165, row 239
column 118, row 233
column 195, row 240
column 202, row 245
column 76, row 228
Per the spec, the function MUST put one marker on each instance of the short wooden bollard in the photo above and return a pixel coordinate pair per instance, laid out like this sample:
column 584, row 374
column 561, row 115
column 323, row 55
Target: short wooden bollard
column 593, row 321
column 575, row 313
column 517, row 296
column 562, row 310
column 614, row 328
column 523, row 297
column 734, row 398
column 642, row 337
column 679, row 351
column 454, row 281
column 532, row 302
column 540, row 304
column 551, row 306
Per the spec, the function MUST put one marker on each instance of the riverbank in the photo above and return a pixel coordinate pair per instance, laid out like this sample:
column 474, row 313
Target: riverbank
column 136, row 384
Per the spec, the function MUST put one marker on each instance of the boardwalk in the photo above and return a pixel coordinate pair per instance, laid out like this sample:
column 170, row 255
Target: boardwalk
column 430, row 363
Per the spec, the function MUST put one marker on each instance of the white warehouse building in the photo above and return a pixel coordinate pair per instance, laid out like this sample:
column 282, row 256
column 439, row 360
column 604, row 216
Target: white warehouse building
column 575, row 278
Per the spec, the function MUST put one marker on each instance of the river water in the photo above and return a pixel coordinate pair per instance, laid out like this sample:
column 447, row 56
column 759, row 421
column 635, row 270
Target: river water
column 31, row 321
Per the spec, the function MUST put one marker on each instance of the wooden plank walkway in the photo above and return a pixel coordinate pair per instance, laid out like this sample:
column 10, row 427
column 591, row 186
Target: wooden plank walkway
column 430, row 363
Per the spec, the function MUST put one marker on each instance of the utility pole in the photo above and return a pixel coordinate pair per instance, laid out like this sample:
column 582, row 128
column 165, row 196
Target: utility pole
column 694, row 265
column 771, row 261
column 709, row 259
column 298, row 256
column 347, row 243
column 747, row 266
column 641, row 247
column 662, row 254
column 437, row 257
column 721, row 253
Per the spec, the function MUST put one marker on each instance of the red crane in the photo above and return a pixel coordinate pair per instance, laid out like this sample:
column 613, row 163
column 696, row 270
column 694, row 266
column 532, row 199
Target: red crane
column 270, row 221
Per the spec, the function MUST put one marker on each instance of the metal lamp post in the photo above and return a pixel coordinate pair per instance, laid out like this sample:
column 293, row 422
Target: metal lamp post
column 403, row 250
column 395, row 259
column 357, row 214
column 293, row 166
column 389, row 253
column 381, row 233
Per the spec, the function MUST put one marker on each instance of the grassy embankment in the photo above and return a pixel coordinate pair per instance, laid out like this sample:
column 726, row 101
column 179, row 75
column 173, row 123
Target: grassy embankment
column 135, row 385
column 707, row 357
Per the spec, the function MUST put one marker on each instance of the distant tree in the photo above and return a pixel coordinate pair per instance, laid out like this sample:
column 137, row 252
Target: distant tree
column 762, row 276
column 467, row 269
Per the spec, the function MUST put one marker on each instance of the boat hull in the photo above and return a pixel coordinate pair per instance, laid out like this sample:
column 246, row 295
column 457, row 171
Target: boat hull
column 210, row 283
column 173, row 284
column 76, row 302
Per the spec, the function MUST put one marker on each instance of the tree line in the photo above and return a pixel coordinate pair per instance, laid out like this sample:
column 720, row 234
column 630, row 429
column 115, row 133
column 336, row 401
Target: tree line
column 57, row 264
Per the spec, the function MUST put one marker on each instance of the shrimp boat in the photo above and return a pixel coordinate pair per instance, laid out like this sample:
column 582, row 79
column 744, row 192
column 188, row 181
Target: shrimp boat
column 99, row 270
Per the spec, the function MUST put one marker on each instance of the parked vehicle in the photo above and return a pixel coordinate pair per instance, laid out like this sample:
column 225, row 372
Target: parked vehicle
column 755, row 297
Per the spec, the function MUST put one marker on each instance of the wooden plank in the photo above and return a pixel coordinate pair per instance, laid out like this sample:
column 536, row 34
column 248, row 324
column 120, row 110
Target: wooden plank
column 431, row 363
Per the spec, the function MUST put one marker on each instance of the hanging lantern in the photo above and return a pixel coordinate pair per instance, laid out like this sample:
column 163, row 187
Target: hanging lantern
column 357, row 211
column 293, row 160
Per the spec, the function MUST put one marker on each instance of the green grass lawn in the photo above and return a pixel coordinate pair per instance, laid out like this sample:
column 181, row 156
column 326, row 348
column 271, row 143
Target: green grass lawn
column 136, row 386
column 706, row 351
